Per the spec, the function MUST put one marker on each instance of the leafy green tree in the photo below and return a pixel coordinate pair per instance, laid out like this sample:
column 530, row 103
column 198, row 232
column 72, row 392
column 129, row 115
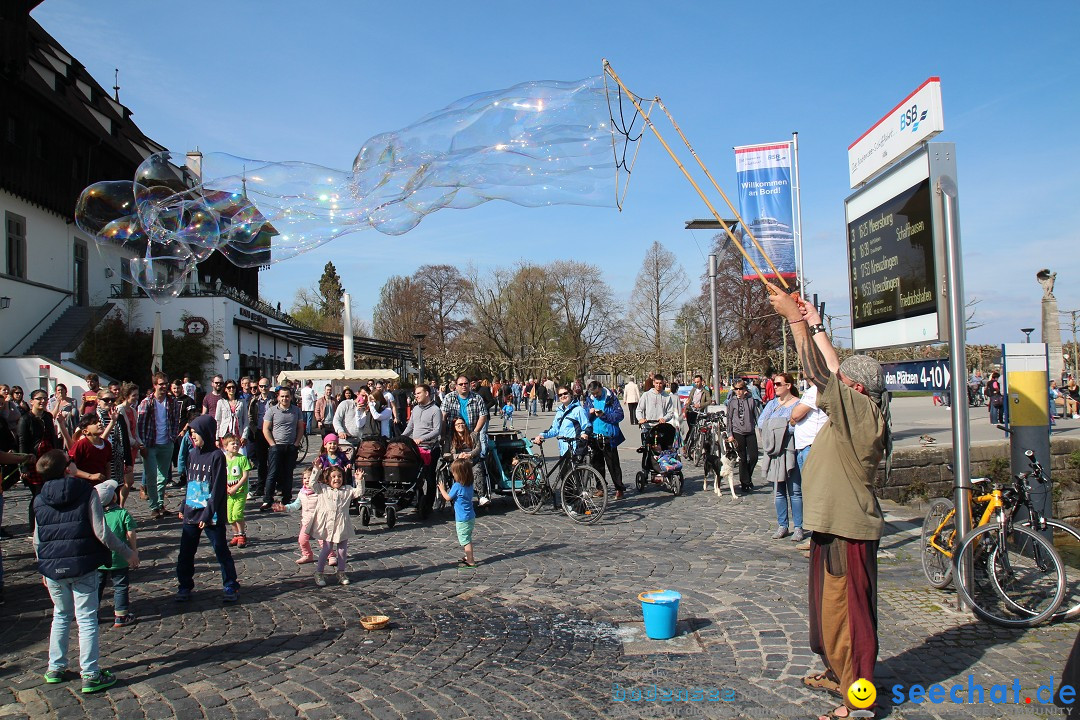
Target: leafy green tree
column 331, row 290
column 111, row 348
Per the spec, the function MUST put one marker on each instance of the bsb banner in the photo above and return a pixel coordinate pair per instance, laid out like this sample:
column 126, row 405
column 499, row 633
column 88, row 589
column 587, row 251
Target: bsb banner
column 764, row 176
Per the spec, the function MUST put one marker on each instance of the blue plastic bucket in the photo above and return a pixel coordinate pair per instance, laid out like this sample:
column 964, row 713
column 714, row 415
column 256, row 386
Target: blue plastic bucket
column 661, row 611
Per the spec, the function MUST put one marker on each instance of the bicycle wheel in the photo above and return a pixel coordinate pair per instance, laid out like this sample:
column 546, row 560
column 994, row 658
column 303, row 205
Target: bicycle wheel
column 1067, row 544
column 528, row 486
column 1018, row 580
column 302, row 450
column 584, row 495
column 938, row 532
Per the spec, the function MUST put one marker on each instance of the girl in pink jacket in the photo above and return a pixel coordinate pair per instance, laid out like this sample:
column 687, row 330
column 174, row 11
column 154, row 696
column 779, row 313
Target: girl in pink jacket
column 330, row 523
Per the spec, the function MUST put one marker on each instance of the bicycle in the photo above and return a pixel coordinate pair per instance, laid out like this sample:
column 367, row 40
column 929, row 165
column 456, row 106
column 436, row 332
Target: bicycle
column 1017, row 578
column 582, row 489
column 302, row 449
column 693, row 450
column 1064, row 536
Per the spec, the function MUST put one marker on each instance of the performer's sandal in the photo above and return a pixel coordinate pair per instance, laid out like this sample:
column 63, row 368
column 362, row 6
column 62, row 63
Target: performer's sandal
column 822, row 681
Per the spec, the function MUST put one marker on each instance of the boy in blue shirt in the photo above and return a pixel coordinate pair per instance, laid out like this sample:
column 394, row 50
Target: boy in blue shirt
column 461, row 496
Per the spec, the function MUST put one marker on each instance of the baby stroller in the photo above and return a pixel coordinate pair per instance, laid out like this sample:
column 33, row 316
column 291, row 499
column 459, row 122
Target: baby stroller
column 402, row 468
column 660, row 464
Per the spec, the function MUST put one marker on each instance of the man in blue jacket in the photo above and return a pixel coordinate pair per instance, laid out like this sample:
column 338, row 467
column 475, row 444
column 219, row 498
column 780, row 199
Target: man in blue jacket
column 204, row 510
column 606, row 413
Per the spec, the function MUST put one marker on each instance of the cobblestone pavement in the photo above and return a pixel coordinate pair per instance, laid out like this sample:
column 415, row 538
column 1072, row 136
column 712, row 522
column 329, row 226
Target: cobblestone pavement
column 548, row 626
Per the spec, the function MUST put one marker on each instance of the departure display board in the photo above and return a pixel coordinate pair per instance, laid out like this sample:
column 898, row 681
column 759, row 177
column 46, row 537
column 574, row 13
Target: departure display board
column 892, row 259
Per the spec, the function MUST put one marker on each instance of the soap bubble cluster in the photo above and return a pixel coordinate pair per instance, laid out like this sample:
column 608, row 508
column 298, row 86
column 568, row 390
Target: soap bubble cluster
column 535, row 144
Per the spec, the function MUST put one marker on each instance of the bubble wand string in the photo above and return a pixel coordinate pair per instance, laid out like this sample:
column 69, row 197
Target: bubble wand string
column 633, row 98
column 746, row 228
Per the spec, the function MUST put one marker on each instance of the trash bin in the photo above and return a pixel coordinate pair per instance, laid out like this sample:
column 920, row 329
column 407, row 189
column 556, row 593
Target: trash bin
column 660, row 609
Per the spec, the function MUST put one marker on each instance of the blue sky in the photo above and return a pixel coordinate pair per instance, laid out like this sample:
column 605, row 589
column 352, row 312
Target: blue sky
column 311, row 81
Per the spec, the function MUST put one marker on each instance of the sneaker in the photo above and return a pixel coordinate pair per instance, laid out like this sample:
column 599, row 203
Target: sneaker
column 251, row 495
column 234, row 541
column 484, row 500
column 183, row 595
column 781, row 532
column 231, row 594
column 798, row 535
column 343, row 579
column 1076, row 417
column 55, row 676
column 96, row 682
column 320, row 579
column 266, row 507
column 305, row 559
column 241, row 541
column 124, row 620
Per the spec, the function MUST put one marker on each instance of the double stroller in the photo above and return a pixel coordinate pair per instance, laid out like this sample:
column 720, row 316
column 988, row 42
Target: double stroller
column 660, row 464
column 392, row 470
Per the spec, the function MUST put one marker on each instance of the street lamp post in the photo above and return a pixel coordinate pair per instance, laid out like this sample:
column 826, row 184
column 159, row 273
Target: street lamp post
column 419, row 337
column 227, row 355
column 1027, row 333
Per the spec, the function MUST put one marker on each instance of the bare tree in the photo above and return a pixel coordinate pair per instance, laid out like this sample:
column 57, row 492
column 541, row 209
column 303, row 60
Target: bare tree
column 657, row 290
column 401, row 310
column 446, row 292
column 513, row 309
column 587, row 310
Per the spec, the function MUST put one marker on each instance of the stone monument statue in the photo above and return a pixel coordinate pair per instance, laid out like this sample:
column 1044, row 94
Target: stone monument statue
column 1051, row 325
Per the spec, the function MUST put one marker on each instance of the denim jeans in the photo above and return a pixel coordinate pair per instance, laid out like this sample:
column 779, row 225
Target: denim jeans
column 120, row 589
column 309, row 421
column 156, row 467
column 74, row 598
column 800, row 457
column 791, row 487
column 189, row 543
column 281, row 462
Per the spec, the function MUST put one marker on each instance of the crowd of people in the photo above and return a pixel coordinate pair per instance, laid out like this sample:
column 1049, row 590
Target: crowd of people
column 237, row 445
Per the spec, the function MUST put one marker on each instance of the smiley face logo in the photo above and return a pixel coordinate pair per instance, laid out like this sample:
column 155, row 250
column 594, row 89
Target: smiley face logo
column 862, row 693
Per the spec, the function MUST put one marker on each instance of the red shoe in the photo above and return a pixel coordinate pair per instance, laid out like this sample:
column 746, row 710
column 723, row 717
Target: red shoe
column 235, row 541
column 241, row 541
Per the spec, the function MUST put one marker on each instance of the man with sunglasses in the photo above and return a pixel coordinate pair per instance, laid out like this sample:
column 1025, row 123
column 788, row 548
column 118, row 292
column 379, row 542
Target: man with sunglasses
column 212, row 398
column 257, row 441
column 159, row 421
column 470, row 407
column 743, row 411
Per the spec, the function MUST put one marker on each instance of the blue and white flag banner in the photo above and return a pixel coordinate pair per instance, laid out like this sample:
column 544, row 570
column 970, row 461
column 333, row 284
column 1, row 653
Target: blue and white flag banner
column 763, row 173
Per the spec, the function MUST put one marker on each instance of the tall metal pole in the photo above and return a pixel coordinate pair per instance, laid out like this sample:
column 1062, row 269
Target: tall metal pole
column 346, row 331
column 797, row 195
column 714, row 333
column 954, row 286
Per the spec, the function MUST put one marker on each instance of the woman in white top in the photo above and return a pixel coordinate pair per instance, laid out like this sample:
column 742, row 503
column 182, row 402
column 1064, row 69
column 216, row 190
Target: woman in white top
column 232, row 414
column 380, row 412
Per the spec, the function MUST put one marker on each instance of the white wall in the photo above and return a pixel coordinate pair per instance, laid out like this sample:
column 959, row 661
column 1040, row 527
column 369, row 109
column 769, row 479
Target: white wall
column 50, row 260
column 24, row 371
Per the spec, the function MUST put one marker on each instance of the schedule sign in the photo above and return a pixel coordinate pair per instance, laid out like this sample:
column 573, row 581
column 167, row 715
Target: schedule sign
column 892, row 259
column 896, row 253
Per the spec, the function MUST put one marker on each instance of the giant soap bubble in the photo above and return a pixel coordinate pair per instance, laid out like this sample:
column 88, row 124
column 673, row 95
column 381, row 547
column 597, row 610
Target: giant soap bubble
column 537, row 143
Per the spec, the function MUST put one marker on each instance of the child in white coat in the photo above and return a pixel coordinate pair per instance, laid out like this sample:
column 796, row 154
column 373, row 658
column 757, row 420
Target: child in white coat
column 330, row 522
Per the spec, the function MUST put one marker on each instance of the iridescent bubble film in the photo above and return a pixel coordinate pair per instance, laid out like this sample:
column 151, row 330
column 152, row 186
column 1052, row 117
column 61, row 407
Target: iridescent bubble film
column 537, row 143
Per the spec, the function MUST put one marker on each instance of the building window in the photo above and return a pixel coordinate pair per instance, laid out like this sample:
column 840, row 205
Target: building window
column 16, row 244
